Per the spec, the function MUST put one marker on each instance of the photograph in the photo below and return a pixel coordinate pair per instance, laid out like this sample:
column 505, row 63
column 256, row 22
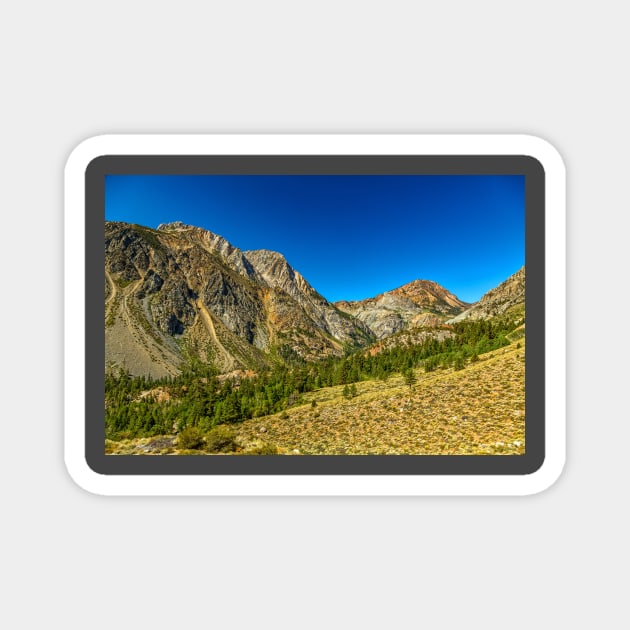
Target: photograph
column 256, row 314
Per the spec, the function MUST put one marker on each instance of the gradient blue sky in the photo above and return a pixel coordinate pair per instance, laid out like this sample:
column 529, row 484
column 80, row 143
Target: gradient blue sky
column 350, row 236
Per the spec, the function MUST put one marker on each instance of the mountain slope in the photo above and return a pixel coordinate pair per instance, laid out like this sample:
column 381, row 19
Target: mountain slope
column 479, row 410
column 476, row 410
column 181, row 292
column 497, row 301
column 418, row 303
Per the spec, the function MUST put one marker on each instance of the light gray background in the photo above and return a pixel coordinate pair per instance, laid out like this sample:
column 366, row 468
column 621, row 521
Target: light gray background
column 72, row 70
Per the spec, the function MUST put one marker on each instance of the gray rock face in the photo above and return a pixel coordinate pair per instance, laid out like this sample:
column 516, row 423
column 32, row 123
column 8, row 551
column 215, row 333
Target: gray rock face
column 498, row 300
column 152, row 283
column 236, row 304
column 173, row 311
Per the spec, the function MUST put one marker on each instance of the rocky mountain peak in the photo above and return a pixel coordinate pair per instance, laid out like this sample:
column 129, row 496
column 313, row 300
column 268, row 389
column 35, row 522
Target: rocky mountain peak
column 174, row 226
column 273, row 270
column 273, row 267
column 428, row 293
column 418, row 303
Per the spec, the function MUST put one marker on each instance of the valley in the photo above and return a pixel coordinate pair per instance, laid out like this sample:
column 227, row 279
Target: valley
column 214, row 350
column 477, row 410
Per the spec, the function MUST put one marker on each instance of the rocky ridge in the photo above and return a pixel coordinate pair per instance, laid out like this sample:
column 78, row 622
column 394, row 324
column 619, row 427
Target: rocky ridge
column 497, row 301
column 418, row 303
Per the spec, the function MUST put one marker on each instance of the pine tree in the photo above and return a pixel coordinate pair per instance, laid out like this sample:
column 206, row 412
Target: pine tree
column 410, row 377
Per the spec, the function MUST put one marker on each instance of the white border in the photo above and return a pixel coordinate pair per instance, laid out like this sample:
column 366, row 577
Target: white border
column 394, row 485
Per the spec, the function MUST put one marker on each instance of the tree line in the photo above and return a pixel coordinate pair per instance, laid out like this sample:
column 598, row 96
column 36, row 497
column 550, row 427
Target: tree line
column 199, row 398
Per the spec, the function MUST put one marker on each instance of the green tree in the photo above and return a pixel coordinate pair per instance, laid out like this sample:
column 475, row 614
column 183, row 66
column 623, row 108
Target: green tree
column 410, row 377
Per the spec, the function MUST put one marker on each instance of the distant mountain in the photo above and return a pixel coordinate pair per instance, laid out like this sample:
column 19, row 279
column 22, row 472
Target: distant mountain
column 497, row 301
column 419, row 303
column 181, row 292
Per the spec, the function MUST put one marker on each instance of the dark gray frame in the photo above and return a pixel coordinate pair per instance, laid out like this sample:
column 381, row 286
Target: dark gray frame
column 316, row 464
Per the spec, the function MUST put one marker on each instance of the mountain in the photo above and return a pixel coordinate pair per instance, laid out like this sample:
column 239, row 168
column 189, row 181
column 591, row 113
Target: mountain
column 419, row 303
column 181, row 292
column 497, row 301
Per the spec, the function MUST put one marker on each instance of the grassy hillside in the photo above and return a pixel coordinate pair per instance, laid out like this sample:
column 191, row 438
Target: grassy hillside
column 479, row 409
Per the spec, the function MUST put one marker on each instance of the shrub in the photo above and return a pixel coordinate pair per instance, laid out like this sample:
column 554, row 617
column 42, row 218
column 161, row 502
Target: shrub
column 221, row 440
column 431, row 363
column 190, row 438
column 263, row 449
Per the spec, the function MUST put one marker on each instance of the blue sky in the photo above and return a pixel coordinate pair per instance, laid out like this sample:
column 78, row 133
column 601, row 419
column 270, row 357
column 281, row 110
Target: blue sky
column 350, row 236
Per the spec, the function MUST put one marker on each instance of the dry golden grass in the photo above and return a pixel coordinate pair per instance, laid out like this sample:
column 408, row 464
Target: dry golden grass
column 479, row 410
